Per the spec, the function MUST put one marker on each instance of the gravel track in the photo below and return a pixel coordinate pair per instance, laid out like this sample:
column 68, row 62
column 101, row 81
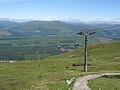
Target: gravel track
column 81, row 83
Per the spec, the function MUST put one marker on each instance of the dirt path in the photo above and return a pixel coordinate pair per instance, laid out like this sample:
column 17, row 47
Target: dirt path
column 81, row 83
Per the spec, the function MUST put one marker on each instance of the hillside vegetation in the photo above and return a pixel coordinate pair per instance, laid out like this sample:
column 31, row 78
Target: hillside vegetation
column 52, row 73
column 110, row 82
column 21, row 40
column 4, row 33
column 59, row 28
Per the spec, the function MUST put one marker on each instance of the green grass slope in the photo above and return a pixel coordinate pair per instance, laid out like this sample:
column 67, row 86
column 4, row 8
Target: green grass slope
column 52, row 73
column 105, row 83
column 103, row 57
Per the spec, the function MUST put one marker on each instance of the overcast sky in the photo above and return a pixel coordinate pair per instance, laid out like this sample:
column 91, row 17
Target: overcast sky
column 60, row 9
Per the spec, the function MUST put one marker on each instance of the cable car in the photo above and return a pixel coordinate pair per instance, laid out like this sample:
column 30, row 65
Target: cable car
column 76, row 45
column 58, row 47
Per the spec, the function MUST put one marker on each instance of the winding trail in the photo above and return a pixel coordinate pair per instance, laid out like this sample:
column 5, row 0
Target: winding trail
column 81, row 83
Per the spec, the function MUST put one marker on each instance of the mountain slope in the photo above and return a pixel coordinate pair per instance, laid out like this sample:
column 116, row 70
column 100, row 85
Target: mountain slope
column 52, row 73
column 45, row 28
column 99, row 56
column 5, row 33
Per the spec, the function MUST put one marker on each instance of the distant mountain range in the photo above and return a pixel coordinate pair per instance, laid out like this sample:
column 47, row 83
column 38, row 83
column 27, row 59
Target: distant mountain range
column 69, row 20
column 20, row 40
column 44, row 28
column 96, row 21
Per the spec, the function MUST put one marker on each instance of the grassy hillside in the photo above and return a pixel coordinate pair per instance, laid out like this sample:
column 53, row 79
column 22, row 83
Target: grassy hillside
column 52, row 73
column 101, row 56
column 105, row 83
